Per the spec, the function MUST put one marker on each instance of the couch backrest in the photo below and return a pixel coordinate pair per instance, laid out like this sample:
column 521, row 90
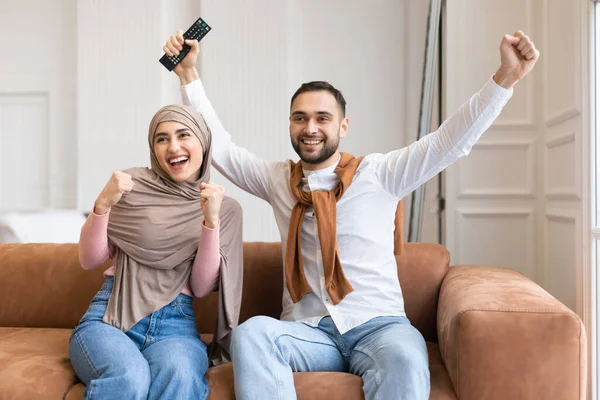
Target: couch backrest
column 261, row 291
column 43, row 285
column 421, row 270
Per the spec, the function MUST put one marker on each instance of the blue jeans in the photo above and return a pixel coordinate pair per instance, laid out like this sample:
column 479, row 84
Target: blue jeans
column 162, row 356
column 387, row 352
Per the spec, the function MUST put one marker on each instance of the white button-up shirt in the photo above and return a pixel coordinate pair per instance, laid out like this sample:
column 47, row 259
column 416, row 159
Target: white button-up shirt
column 365, row 214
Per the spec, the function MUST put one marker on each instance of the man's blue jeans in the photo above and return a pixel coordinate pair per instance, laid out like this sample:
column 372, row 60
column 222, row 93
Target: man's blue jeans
column 162, row 356
column 387, row 352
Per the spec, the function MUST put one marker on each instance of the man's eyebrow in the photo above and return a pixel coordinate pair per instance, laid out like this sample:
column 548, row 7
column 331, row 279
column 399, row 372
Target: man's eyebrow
column 324, row 113
column 318, row 113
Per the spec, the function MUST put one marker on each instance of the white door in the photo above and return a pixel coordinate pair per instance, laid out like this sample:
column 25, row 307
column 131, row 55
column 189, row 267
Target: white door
column 492, row 194
column 515, row 201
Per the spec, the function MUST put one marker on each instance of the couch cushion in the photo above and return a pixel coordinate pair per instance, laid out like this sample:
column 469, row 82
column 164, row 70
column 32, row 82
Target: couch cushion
column 309, row 385
column 34, row 363
column 76, row 392
column 441, row 385
column 333, row 385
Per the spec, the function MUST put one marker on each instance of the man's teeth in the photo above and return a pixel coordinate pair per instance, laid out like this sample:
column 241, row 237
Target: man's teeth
column 311, row 141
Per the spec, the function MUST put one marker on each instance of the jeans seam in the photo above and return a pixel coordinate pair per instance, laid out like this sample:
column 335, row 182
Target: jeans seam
column 337, row 338
column 183, row 314
column 278, row 383
column 89, row 391
column 147, row 334
column 206, row 391
column 302, row 340
column 161, row 316
column 377, row 377
column 274, row 338
column 86, row 354
column 342, row 345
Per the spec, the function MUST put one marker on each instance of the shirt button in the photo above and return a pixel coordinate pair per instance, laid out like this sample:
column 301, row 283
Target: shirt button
column 326, row 300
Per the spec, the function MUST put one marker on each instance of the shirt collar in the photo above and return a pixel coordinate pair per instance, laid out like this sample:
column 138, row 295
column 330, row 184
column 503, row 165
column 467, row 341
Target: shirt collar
column 323, row 172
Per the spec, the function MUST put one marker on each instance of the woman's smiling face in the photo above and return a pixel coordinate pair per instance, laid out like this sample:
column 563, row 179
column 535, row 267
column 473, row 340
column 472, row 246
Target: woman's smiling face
column 178, row 151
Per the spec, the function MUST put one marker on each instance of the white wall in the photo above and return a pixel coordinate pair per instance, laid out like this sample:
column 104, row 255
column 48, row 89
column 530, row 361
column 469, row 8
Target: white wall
column 38, row 152
column 254, row 59
column 121, row 84
column 94, row 82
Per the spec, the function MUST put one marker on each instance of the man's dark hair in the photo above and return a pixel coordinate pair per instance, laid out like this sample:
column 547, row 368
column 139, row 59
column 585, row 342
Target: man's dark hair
column 317, row 86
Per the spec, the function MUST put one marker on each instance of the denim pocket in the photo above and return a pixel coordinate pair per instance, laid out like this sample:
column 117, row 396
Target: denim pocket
column 97, row 307
column 95, row 311
column 100, row 298
column 186, row 310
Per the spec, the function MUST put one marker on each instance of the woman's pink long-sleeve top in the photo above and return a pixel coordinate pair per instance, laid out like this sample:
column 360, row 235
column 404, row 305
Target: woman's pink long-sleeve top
column 94, row 250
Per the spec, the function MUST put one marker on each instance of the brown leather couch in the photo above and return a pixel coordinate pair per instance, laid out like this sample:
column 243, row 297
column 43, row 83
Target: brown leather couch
column 492, row 333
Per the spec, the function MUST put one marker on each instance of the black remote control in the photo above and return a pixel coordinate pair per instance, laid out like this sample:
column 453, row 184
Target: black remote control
column 196, row 32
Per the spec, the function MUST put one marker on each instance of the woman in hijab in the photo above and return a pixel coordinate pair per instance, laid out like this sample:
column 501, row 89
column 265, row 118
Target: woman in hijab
column 171, row 235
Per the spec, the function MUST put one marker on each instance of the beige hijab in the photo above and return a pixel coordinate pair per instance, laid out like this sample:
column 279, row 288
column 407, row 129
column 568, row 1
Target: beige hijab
column 155, row 230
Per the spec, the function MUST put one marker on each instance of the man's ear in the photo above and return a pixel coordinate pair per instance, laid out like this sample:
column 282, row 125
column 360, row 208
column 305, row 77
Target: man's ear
column 344, row 127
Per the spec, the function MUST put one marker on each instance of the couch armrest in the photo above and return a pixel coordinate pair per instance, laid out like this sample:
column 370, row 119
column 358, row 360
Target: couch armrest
column 503, row 337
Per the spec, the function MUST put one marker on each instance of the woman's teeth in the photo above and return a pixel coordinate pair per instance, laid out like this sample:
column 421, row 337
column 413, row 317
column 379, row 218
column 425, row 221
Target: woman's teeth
column 178, row 160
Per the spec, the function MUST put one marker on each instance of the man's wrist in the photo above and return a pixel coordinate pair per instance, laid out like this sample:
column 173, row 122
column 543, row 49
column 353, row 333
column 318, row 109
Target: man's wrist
column 188, row 76
column 505, row 79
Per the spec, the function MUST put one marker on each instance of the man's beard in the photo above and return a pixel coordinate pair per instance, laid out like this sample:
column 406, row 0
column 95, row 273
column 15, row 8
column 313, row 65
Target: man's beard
column 328, row 149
